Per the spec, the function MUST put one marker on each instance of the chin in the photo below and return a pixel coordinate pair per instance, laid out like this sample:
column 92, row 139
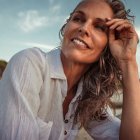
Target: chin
column 79, row 56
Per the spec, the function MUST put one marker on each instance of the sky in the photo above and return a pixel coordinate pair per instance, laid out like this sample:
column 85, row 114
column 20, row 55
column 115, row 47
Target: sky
column 36, row 23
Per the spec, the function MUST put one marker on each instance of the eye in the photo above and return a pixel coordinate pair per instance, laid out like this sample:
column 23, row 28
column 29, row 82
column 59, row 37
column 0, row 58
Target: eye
column 78, row 18
column 101, row 27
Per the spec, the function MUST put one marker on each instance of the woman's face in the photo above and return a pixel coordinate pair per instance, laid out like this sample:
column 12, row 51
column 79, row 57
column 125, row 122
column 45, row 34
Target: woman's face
column 86, row 34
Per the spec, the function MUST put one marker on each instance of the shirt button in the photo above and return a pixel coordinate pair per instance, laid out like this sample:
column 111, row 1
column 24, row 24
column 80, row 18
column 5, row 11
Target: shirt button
column 65, row 132
column 66, row 121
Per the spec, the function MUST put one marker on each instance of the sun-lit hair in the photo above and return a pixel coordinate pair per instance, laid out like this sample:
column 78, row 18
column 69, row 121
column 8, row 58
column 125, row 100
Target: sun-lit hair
column 102, row 79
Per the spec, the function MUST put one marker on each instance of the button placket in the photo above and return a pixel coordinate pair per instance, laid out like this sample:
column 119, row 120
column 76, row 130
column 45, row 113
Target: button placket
column 66, row 121
column 65, row 132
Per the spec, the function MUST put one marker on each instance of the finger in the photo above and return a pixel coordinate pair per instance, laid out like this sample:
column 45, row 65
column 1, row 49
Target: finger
column 118, row 23
column 126, row 35
column 112, row 21
column 111, row 36
column 126, row 30
column 123, row 26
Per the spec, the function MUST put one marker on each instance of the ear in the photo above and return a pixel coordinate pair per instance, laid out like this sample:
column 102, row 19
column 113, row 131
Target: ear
column 64, row 26
column 63, row 29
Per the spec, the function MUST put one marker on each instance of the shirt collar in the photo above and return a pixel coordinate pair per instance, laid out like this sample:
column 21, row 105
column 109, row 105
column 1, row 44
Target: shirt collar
column 55, row 64
column 78, row 92
column 57, row 72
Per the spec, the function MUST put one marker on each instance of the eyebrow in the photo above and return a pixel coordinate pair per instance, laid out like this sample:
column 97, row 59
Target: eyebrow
column 101, row 20
column 80, row 12
column 97, row 19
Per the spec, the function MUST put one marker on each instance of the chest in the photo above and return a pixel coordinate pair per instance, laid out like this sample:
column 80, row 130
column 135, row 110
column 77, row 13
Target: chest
column 67, row 100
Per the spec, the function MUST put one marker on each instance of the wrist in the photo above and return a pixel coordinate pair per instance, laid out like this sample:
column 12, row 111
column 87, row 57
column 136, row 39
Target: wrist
column 128, row 64
column 129, row 70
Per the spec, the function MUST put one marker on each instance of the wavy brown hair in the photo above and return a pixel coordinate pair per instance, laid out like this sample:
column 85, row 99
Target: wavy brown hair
column 103, row 77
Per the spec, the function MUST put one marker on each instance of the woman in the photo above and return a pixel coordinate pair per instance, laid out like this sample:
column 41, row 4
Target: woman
column 50, row 96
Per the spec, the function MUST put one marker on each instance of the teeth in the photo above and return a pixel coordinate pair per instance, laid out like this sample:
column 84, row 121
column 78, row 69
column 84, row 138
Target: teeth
column 79, row 42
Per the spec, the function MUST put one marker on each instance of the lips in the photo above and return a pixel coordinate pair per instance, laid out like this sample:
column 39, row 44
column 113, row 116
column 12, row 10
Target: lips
column 80, row 43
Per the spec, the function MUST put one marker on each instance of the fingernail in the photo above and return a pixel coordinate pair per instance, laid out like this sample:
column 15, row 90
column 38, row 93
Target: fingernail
column 108, row 19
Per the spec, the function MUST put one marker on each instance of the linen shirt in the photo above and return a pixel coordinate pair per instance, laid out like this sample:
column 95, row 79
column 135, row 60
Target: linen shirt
column 32, row 92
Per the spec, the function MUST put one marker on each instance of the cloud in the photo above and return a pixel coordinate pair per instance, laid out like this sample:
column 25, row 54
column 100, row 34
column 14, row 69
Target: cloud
column 55, row 9
column 30, row 20
column 51, row 1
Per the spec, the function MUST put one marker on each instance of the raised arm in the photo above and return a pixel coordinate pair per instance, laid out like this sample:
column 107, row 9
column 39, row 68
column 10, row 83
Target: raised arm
column 123, row 49
column 130, row 126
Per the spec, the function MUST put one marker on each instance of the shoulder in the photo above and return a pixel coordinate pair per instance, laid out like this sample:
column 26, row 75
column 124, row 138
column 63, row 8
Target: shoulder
column 31, row 55
column 31, row 60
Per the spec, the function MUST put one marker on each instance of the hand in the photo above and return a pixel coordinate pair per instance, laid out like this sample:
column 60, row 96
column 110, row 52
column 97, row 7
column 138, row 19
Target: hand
column 123, row 46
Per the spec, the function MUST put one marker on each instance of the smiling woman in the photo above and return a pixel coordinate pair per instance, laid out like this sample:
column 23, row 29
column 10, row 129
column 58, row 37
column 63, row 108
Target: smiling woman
column 49, row 96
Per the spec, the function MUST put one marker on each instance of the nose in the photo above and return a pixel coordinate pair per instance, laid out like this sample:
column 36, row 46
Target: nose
column 84, row 29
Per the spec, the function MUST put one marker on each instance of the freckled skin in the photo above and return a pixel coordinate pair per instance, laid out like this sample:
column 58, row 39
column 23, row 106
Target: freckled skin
column 84, row 25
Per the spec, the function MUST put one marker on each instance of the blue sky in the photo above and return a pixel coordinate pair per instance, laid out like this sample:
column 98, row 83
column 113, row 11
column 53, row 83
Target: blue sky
column 30, row 23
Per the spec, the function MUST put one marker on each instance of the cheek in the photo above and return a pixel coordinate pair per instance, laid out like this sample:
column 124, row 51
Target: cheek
column 70, row 29
column 67, row 29
column 100, row 49
column 100, row 46
column 66, row 37
column 101, row 40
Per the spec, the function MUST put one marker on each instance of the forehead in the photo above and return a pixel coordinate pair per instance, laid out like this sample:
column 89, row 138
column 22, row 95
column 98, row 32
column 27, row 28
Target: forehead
column 98, row 8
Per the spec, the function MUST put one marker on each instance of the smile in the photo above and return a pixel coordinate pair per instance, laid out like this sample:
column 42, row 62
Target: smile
column 80, row 43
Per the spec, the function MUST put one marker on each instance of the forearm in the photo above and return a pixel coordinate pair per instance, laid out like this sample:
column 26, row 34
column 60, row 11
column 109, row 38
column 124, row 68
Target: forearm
column 130, row 126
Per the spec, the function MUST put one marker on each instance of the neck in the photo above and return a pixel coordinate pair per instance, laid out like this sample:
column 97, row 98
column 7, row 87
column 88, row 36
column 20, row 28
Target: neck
column 73, row 71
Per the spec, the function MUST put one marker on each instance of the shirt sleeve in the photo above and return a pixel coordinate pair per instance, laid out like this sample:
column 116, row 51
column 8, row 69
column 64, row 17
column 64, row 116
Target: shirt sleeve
column 19, row 98
column 107, row 129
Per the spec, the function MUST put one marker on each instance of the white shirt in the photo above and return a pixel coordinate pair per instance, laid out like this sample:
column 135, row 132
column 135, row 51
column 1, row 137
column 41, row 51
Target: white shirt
column 32, row 92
